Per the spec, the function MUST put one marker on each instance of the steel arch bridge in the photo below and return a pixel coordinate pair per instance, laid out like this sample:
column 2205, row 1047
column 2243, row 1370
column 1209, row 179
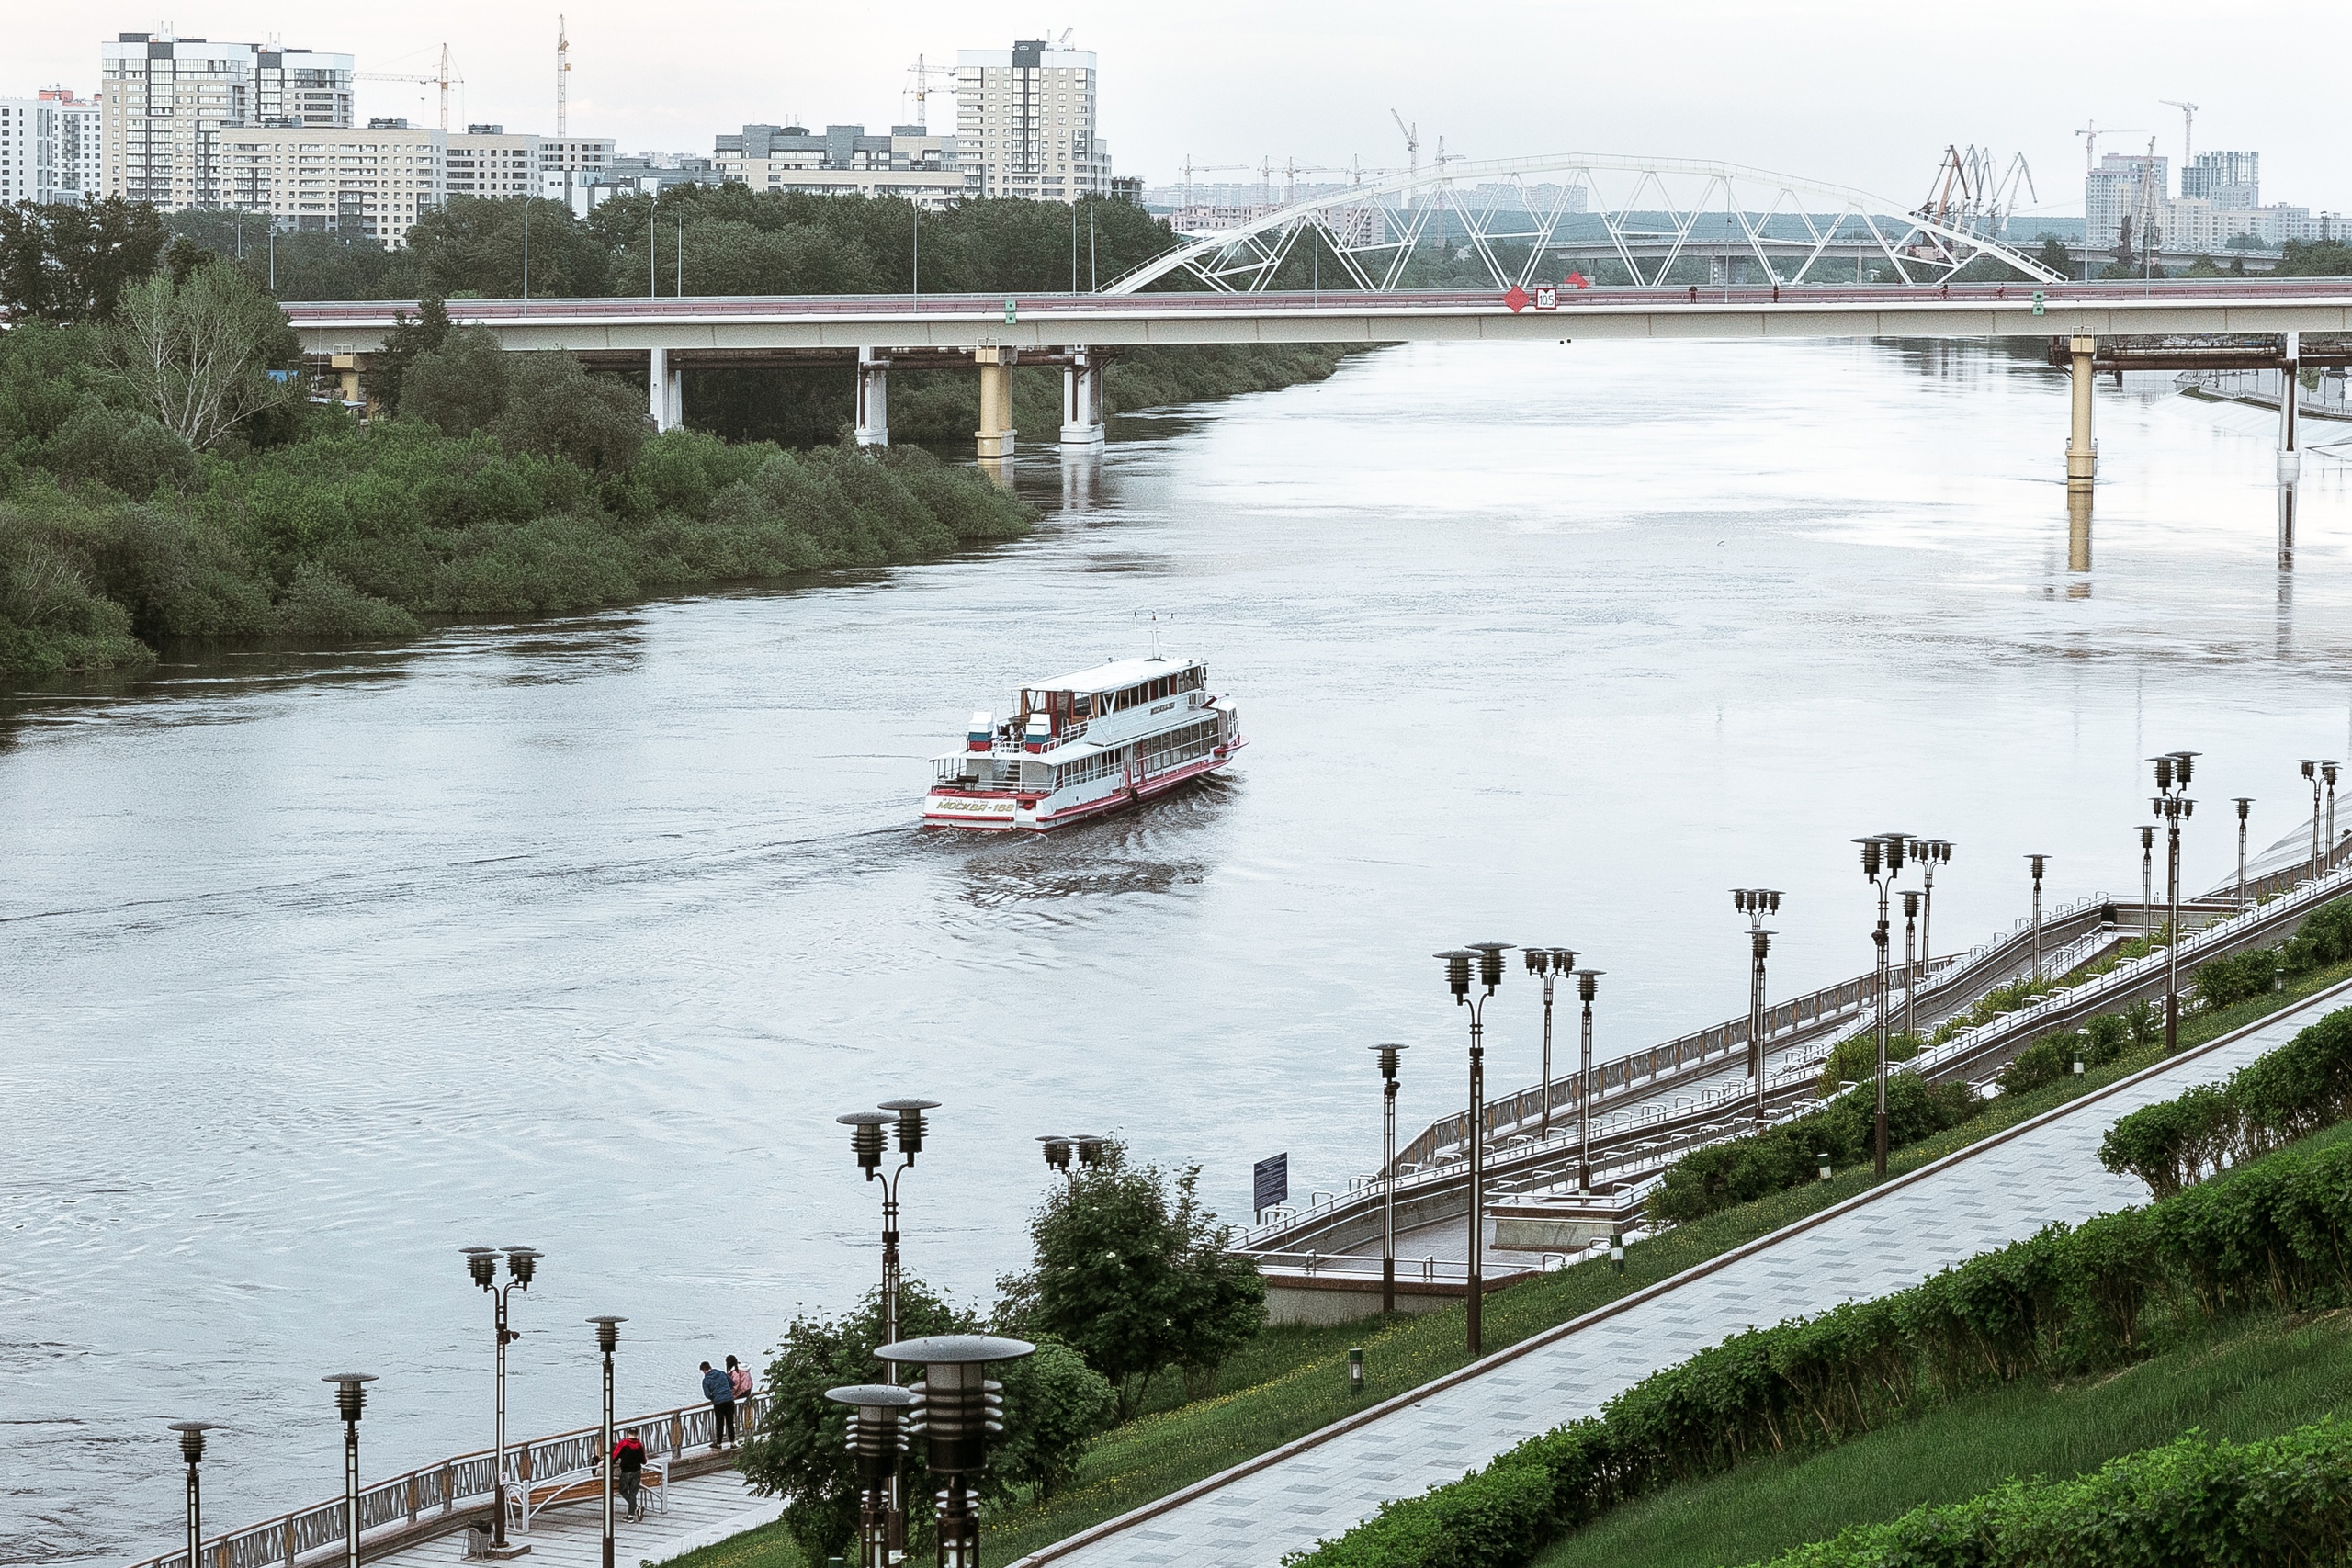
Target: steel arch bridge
column 1646, row 214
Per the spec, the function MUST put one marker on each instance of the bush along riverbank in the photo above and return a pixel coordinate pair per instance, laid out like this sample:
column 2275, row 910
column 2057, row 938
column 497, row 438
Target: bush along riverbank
column 2069, row 1301
column 512, row 484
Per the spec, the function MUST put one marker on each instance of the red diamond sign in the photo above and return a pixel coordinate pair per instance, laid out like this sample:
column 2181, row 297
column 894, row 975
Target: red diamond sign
column 1517, row 299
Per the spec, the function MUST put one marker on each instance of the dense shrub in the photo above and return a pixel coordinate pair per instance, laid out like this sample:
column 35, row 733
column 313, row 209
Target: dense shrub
column 2071, row 1300
column 1742, row 1169
column 2284, row 1501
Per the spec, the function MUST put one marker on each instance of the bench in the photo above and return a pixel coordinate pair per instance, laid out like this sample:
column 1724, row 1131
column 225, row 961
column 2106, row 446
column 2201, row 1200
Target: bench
column 526, row 1501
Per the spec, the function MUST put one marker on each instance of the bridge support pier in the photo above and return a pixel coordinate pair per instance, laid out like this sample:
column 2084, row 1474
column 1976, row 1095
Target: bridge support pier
column 872, row 398
column 2082, row 450
column 664, row 391
column 1082, row 399
column 996, row 434
column 2290, row 459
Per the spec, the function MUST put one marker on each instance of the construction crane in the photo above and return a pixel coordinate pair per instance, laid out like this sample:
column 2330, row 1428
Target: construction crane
column 1967, row 193
column 2188, row 129
column 1412, row 141
column 449, row 77
column 563, row 78
column 922, row 76
column 2090, row 134
column 1192, row 168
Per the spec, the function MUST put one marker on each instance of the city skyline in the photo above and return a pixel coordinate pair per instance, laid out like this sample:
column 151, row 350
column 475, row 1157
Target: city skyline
column 1834, row 92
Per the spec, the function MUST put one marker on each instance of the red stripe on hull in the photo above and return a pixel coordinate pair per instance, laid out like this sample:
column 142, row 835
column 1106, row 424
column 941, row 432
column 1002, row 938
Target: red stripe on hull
column 1158, row 783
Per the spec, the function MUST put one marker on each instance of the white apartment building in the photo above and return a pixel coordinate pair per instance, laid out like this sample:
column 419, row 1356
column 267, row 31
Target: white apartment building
column 1026, row 122
column 2231, row 181
column 909, row 162
column 489, row 160
column 375, row 182
column 164, row 100
column 2118, row 189
column 49, row 147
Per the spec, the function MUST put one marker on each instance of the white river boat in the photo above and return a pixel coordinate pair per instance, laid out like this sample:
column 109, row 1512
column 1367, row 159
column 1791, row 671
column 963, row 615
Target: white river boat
column 1083, row 745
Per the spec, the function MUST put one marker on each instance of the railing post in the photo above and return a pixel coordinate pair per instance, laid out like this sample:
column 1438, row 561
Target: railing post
column 289, row 1544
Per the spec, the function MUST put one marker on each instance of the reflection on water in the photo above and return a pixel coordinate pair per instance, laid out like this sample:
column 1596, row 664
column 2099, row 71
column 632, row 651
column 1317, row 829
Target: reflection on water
column 321, row 966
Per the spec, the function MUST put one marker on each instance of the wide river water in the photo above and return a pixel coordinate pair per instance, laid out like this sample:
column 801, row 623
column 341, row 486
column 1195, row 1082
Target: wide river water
column 580, row 933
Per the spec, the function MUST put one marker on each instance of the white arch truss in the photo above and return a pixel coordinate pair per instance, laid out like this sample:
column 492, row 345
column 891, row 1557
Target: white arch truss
column 1646, row 214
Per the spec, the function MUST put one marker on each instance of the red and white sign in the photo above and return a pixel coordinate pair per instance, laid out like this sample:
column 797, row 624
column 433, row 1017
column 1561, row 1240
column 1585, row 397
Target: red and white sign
column 1517, row 299
column 1547, row 296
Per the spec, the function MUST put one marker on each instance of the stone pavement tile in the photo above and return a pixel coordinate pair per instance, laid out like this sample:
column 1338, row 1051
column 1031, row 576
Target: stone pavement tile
column 1977, row 1203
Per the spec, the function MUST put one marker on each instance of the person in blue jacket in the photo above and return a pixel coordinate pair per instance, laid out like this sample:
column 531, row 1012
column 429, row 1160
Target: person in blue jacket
column 720, row 1389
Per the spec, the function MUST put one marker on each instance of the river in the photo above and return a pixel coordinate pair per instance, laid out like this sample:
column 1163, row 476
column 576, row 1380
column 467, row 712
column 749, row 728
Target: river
column 580, row 933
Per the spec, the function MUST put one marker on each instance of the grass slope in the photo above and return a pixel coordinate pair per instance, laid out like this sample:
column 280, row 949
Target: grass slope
column 2250, row 1379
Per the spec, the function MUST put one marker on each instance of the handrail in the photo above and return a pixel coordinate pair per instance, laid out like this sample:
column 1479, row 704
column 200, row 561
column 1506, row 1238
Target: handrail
column 430, row 1492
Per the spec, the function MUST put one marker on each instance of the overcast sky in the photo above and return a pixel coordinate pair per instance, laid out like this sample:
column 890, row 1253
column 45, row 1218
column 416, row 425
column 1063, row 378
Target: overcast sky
column 1847, row 94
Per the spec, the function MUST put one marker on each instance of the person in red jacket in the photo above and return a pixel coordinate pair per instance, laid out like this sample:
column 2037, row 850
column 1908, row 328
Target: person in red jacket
column 628, row 1466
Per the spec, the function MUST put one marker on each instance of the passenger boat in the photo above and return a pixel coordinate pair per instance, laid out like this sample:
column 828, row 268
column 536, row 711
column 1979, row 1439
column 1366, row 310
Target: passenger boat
column 1084, row 745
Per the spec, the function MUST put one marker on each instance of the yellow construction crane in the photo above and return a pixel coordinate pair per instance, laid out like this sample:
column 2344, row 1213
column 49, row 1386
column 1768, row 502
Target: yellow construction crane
column 449, row 77
column 922, row 76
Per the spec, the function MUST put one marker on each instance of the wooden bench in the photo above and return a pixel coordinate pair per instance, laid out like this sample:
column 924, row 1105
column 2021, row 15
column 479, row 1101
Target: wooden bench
column 525, row 1503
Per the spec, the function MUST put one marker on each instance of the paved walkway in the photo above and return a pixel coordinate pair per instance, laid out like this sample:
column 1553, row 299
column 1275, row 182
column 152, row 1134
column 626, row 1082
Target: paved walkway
column 1895, row 1237
column 704, row 1509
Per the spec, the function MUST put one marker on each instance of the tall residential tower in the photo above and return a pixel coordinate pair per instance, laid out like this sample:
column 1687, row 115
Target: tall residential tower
column 1026, row 125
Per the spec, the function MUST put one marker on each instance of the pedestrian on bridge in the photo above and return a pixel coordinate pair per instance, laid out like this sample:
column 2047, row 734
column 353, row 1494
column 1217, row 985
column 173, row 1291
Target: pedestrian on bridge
column 720, row 1389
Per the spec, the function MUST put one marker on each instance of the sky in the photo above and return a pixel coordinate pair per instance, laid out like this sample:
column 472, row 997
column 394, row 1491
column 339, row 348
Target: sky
column 1866, row 96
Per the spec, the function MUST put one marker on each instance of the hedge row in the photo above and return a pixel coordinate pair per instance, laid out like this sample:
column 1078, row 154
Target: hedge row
column 2279, row 1503
column 2284, row 1095
column 2071, row 1300
column 1741, row 1170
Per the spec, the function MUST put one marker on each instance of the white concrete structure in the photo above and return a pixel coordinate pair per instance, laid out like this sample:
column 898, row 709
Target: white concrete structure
column 909, row 162
column 164, row 101
column 1026, row 120
column 376, row 181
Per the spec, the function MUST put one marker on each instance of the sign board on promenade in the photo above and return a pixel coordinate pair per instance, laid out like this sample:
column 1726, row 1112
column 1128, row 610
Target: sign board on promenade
column 1269, row 1182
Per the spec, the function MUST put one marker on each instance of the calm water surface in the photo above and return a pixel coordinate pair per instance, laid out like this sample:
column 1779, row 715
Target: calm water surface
column 581, row 933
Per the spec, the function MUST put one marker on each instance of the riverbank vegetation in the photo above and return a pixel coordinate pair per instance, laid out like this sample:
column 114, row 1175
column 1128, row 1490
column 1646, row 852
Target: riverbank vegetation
column 164, row 477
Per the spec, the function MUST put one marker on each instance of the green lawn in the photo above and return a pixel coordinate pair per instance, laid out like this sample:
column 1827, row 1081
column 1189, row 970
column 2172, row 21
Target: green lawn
column 2256, row 1382
column 1291, row 1381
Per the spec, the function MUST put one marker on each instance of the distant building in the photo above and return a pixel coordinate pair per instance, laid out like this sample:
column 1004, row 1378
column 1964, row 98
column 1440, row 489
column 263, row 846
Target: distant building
column 1127, row 189
column 909, row 161
column 49, row 148
column 644, row 174
column 164, row 101
column 374, row 182
column 2120, row 188
column 489, row 160
column 2231, row 181
column 1026, row 120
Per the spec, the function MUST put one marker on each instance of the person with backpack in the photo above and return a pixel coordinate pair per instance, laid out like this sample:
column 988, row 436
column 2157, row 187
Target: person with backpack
column 628, row 1467
column 720, row 1389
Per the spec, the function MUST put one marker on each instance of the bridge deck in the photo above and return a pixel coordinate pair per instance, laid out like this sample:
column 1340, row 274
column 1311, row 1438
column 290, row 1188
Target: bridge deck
column 1983, row 1197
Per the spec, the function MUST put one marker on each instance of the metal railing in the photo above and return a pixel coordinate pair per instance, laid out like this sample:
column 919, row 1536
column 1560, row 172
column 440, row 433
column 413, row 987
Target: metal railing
column 2260, row 388
column 424, row 1500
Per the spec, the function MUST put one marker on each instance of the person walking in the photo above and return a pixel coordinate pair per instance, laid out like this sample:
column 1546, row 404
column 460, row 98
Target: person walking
column 740, row 1376
column 720, row 1389
column 628, row 1467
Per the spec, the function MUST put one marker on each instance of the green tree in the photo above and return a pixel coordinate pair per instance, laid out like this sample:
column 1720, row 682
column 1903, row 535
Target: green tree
column 412, row 337
column 200, row 354
column 71, row 262
column 1135, row 1273
column 459, row 386
column 2053, row 255
column 556, row 409
column 2314, row 258
column 475, row 246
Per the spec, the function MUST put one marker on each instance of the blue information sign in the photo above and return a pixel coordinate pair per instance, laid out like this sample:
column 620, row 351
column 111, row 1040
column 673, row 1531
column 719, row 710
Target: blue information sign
column 1269, row 1182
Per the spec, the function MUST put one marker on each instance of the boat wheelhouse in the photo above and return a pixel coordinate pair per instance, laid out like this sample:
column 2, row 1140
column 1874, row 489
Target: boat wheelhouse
column 1083, row 745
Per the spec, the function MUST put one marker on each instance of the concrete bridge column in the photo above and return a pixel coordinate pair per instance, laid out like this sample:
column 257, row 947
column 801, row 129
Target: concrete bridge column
column 2291, row 460
column 872, row 398
column 1082, row 399
column 2082, row 451
column 996, row 432
column 665, row 396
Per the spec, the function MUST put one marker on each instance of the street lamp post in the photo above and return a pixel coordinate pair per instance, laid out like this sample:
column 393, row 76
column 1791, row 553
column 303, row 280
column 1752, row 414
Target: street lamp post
column 192, row 1449
column 608, row 1339
column 2311, row 771
column 1756, row 902
column 1910, row 959
column 2174, row 807
column 1550, row 963
column 481, row 1264
column 867, row 1143
column 877, row 1436
column 961, row 1406
column 2038, row 861
column 1930, row 853
column 1060, row 1145
column 1882, row 862
column 350, row 1397
column 2243, row 803
column 1489, row 956
column 1587, row 983
column 2327, row 771
column 1388, row 1172
column 2147, row 881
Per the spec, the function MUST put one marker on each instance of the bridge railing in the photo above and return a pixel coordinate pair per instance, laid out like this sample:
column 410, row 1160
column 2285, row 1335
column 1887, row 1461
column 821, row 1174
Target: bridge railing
column 424, row 1500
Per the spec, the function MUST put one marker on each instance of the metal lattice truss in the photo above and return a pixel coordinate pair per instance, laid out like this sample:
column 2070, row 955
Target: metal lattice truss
column 1522, row 217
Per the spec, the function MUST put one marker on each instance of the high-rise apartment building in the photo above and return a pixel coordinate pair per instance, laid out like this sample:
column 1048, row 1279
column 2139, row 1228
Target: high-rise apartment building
column 2231, row 181
column 2125, row 185
column 49, row 147
column 374, row 182
column 490, row 161
column 1026, row 122
column 164, row 101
